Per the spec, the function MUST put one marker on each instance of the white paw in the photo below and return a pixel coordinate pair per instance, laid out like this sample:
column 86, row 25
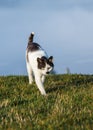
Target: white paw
column 43, row 93
column 30, row 82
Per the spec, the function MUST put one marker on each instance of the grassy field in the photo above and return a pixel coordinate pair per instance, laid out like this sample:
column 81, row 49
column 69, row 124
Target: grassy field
column 67, row 106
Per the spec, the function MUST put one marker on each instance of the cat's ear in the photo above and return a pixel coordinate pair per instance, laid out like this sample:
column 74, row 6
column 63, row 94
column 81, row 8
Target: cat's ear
column 42, row 59
column 50, row 59
column 39, row 60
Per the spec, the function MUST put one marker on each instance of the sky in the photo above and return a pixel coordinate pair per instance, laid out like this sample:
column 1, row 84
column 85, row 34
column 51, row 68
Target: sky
column 64, row 28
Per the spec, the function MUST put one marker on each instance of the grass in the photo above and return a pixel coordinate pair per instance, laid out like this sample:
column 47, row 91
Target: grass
column 67, row 106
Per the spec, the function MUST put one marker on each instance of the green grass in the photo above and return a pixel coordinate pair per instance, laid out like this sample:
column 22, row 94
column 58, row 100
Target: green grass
column 67, row 106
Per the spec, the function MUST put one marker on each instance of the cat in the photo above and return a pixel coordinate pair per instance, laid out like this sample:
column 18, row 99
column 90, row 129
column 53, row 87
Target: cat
column 38, row 63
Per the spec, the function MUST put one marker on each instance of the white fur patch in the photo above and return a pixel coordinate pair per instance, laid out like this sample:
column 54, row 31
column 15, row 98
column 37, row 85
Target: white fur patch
column 33, row 69
column 33, row 33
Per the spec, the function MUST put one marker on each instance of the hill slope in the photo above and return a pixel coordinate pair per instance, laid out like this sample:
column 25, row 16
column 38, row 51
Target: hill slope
column 67, row 106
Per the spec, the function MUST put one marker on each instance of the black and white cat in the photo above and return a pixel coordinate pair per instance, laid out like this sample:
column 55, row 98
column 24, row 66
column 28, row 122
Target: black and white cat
column 38, row 63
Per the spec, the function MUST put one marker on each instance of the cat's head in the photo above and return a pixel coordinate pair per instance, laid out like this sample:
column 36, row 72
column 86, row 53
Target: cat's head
column 45, row 64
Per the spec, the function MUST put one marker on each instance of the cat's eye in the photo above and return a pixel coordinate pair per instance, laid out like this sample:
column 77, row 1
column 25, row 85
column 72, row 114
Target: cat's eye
column 49, row 68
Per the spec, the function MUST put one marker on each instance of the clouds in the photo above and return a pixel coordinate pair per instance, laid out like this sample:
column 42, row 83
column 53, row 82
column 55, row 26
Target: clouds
column 72, row 27
column 72, row 31
column 63, row 28
column 9, row 3
column 51, row 5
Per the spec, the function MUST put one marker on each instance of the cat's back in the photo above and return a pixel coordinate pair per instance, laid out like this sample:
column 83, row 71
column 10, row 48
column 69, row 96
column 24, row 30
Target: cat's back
column 34, row 51
column 36, row 54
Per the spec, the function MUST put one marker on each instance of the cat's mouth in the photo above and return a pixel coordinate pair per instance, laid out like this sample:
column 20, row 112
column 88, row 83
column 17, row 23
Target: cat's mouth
column 47, row 72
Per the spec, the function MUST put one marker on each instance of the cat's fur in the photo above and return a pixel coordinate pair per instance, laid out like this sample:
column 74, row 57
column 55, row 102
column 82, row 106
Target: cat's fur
column 38, row 63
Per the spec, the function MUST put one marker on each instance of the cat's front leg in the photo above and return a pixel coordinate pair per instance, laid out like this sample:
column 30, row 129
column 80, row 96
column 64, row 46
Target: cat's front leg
column 40, row 84
column 43, row 79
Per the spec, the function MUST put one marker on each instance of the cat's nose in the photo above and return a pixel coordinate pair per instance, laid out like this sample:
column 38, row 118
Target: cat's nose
column 47, row 72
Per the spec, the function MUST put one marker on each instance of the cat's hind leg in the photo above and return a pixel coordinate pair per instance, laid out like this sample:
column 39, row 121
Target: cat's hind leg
column 30, row 73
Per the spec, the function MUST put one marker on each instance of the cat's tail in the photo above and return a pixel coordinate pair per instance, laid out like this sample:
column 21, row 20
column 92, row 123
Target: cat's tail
column 31, row 37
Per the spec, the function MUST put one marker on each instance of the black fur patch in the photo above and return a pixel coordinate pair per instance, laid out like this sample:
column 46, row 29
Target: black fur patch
column 42, row 62
column 49, row 61
column 33, row 47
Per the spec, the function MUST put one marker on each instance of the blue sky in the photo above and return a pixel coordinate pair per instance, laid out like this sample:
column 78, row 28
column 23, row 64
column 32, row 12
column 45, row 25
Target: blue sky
column 64, row 28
